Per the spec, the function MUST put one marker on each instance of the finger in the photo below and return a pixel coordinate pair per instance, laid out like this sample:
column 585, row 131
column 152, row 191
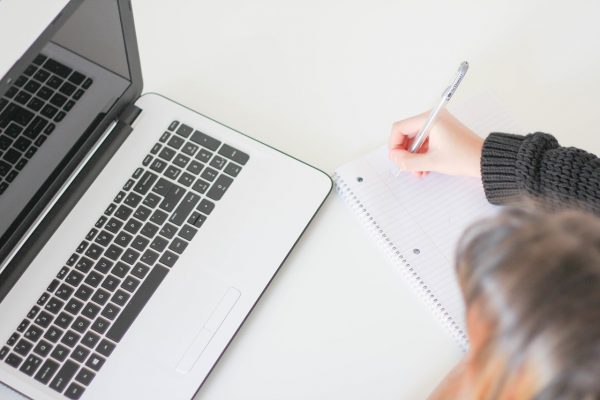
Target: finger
column 403, row 131
column 407, row 161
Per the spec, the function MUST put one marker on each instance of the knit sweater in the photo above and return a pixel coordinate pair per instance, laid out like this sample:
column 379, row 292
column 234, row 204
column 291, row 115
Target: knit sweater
column 534, row 166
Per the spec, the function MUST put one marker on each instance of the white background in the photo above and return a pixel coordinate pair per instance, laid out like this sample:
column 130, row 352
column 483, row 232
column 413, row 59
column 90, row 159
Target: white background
column 323, row 81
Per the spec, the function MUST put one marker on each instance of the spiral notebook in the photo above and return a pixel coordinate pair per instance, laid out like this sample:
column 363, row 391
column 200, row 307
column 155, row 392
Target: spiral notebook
column 417, row 222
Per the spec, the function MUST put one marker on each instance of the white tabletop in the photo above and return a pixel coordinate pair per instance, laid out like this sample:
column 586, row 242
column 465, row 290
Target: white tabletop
column 323, row 81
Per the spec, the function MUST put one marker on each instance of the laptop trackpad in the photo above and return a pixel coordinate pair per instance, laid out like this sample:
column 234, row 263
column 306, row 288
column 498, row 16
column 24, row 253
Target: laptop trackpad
column 205, row 334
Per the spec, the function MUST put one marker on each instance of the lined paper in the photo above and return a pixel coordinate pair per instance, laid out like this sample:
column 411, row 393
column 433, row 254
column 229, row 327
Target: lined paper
column 418, row 222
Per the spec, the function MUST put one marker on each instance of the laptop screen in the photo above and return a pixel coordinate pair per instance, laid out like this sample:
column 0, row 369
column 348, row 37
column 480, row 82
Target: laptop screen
column 59, row 96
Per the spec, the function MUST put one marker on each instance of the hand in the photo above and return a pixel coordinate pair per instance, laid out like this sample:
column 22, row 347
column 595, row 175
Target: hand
column 451, row 147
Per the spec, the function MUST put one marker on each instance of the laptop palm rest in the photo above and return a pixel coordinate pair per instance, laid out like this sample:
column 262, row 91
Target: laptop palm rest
column 205, row 334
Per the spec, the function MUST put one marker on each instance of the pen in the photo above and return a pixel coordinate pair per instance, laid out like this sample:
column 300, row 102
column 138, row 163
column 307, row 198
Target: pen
column 424, row 132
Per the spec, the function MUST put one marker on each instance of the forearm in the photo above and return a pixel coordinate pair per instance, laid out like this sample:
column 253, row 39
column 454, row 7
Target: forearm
column 536, row 167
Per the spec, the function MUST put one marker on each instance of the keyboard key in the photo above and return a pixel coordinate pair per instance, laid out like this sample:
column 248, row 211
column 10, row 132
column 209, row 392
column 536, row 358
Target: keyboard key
column 178, row 245
column 13, row 360
column 41, row 75
column 149, row 257
column 110, row 311
column 158, row 244
column 44, row 319
column 58, row 100
column 189, row 148
column 74, row 278
column 186, row 179
column 133, row 199
column 175, row 142
column 3, row 352
column 159, row 217
column 74, row 391
column 32, row 86
column 219, row 188
column 187, row 232
column 197, row 219
column 105, row 348
column 85, row 376
column 70, row 338
column 195, row 167
column 47, row 370
column 13, row 339
column 100, row 325
column 30, row 365
column 158, row 165
column 183, row 130
column 110, row 283
column 172, row 198
column 140, row 270
column 39, row 59
column 217, row 162
column 120, row 298
column 95, row 362
column 76, row 78
column 34, row 333
column 104, row 238
column 233, row 154
column 168, row 231
column 87, row 83
column 23, row 325
column 90, row 339
column 42, row 348
column 101, row 296
column 45, row 92
column 181, row 214
column 149, row 230
column 144, row 184
column 53, row 334
column 204, row 155
column 15, row 113
column 90, row 310
column 120, row 270
column 172, row 172
column 169, row 259
column 137, row 302
column 67, row 88
column 133, row 226
column 80, row 354
column 22, row 347
column 63, row 320
column 64, row 376
column 73, row 306
column 57, row 68
column 205, row 140
column 80, row 324
column 94, row 278
column 84, row 292
column 206, row 206
column 209, row 174
column 181, row 160
column 166, row 154
column 54, row 305
column 103, row 265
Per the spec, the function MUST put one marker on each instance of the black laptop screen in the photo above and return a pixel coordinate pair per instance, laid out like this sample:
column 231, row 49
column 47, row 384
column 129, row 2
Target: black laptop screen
column 51, row 105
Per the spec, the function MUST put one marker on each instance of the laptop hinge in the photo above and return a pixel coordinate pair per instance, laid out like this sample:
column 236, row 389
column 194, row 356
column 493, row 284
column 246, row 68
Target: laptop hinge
column 129, row 115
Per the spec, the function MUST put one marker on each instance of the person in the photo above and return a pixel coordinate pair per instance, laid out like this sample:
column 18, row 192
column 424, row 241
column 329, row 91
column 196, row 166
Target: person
column 530, row 278
column 510, row 166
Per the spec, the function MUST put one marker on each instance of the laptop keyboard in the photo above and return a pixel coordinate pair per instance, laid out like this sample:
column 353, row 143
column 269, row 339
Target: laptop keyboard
column 41, row 97
column 86, row 310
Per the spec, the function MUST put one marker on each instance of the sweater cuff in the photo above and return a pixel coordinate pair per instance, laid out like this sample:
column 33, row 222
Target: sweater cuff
column 498, row 167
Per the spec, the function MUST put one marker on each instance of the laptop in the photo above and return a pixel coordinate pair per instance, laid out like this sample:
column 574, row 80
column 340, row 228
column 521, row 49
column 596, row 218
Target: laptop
column 136, row 235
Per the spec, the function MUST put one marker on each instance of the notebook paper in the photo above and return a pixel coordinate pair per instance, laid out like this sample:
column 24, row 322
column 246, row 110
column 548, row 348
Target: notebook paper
column 418, row 222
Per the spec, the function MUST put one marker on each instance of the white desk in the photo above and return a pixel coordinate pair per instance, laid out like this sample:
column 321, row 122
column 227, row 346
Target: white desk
column 323, row 81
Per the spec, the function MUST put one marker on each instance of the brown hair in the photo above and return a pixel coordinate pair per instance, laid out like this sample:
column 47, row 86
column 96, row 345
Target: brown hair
column 538, row 276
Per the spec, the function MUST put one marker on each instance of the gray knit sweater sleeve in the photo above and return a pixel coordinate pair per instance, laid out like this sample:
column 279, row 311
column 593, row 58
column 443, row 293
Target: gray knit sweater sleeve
column 535, row 166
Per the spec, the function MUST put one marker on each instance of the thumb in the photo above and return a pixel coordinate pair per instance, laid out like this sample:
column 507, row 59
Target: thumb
column 408, row 161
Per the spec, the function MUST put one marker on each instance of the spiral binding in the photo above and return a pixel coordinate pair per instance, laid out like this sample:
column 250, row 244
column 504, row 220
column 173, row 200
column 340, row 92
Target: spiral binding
column 413, row 278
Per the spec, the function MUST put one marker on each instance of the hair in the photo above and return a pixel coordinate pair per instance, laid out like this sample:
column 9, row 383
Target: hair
column 537, row 275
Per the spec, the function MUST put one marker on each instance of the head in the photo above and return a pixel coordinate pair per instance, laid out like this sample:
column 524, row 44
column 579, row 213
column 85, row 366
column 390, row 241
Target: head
column 531, row 284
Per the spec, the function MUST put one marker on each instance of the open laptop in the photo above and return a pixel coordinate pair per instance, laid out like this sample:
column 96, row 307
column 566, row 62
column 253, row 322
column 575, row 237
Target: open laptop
column 135, row 234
